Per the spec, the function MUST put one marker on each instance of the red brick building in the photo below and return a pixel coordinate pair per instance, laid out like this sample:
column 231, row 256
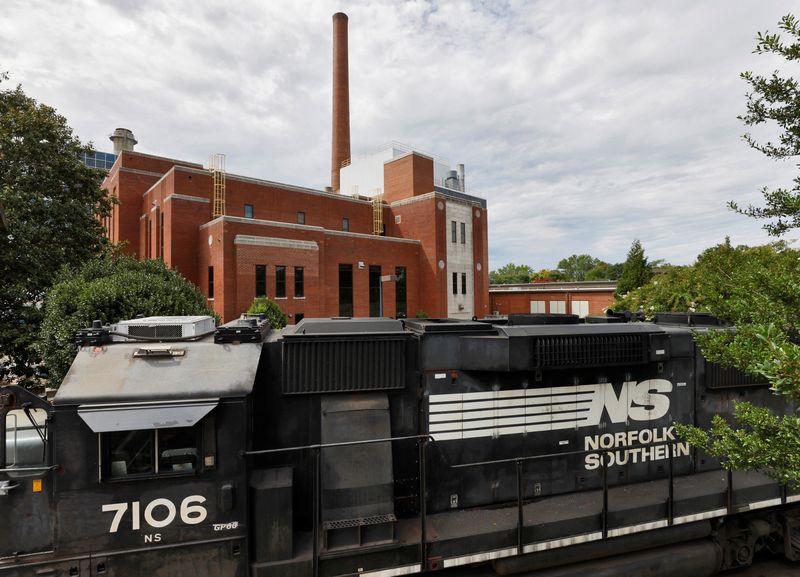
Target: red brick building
column 587, row 298
column 315, row 252
column 413, row 242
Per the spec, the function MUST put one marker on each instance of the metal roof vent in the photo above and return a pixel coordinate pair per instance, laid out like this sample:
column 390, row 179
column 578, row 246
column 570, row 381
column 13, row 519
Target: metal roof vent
column 164, row 328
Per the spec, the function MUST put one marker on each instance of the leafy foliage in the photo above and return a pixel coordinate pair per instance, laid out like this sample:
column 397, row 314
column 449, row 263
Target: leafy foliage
column 110, row 288
column 775, row 101
column 511, row 274
column 270, row 309
column 757, row 289
column 636, row 271
column 51, row 202
column 576, row 267
column 672, row 290
column 762, row 441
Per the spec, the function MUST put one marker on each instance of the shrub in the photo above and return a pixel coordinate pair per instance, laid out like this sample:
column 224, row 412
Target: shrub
column 270, row 309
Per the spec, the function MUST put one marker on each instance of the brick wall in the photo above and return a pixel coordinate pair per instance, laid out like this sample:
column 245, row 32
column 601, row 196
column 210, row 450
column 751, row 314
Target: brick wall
column 407, row 176
column 519, row 301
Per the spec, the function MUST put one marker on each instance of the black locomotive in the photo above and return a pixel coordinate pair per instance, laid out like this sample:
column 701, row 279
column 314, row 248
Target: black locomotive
column 379, row 448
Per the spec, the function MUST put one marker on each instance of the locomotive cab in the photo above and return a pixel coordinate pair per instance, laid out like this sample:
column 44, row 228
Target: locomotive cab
column 152, row 418
column 26, row 487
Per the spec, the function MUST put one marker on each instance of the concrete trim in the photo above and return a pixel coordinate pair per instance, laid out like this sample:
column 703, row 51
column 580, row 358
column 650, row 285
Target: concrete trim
column 137, row 153
column 258, row 221
column 304, row 227
column 438, row 195
column 156, row 183
column 550, row 290
column 247, row 239
column 145, row 172
column 229, row 176
column 187, row 197
column 371, row 236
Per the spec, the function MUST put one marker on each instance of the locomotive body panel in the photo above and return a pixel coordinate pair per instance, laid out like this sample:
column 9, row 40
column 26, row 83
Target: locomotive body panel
column 381, row 448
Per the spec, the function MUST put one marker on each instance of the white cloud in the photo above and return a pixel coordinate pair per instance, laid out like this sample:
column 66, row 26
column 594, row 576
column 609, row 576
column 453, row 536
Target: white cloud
column 585, row 124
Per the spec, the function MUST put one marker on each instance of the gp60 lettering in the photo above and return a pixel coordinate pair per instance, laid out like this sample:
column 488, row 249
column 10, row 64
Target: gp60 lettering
column 380, row 447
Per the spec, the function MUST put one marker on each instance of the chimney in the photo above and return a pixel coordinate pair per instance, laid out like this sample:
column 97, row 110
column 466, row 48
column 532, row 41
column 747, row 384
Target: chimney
column 340, row 149
column 123, row 139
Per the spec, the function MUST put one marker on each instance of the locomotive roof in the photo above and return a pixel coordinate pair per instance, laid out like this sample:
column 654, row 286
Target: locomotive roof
column 131, row 372
column 599, row 329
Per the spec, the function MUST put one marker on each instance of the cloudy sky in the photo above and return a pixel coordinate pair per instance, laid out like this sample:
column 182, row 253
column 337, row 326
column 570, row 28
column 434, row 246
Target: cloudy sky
column 585, row 124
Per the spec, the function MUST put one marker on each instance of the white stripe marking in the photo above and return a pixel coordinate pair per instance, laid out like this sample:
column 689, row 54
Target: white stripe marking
column 479, row 557
column 699, row 516
column 636, row 528
column 556, row 543
column 404, row 570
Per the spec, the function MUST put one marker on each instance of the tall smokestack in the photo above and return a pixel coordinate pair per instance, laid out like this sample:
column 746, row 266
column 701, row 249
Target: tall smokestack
column 340, row 149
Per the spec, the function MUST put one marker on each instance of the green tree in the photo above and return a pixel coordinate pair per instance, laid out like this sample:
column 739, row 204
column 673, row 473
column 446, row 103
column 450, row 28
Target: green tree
column 755, row 288
column 547, row 275
column 604, row 271
column 672, row 290
column 51, row 202
column 636, row 271
column 270, row 309
column 511, row 274
column 110, row 288
column 775, row 101
column 576, row 267
column 759, row 289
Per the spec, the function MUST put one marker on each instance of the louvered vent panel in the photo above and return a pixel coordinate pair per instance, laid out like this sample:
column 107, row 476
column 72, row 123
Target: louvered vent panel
column 332, row 366
column 589, row 350
column 719, row 377
column 156, row 331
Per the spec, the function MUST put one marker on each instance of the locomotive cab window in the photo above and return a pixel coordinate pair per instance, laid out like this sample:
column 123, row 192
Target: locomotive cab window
column 153, row 452
column 133, row 444
column 25, row 438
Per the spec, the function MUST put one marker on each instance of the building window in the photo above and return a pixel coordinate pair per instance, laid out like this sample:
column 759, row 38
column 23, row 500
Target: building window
column 400, row 304
column 453, row 231
column 161, row 236
column 463, row 283
column 537, row 307
column 558, row 307
column 455, row 283
column 580, row 308
column 248, row 211
column 346, row 224
column 375, row 290
column 345, row 290
column 280, row 282
column 148, row 249
column 211, row 282
column 463, row 233
column 298, row 317
column 299, row 286
column 301, row 218
column 261, row 280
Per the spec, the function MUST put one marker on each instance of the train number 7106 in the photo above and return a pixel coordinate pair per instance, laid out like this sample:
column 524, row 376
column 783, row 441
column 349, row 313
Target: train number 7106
column 158, row 513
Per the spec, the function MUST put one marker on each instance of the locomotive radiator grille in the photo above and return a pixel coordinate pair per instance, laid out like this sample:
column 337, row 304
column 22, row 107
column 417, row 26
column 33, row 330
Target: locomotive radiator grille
column 328, row 365
column 589, row 350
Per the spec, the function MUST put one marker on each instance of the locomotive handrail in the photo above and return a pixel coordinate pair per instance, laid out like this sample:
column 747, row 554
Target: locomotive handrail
column 422, row 443
column 425, row 439
column 519, row 461
column 564, row 454
column 330, row 445
column 29, row 469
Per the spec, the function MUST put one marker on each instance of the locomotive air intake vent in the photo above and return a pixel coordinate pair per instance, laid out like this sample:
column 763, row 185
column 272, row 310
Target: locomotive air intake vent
column 164, row 327
column 589, row 350
column 719, row 377
column 327, row 365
